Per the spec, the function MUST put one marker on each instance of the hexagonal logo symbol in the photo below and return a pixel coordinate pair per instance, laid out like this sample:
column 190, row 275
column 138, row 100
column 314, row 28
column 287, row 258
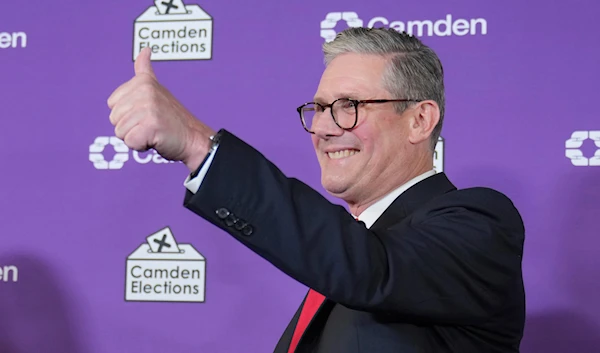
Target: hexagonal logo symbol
column 97, row 156
column 575, row 154
column 331, row 19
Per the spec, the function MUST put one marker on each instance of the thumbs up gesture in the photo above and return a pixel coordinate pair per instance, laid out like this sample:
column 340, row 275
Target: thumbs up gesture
column 146, row 116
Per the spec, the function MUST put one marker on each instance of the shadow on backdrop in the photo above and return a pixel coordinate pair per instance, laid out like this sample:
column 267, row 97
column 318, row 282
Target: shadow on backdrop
column 576, row 199
column 573, row 211
column 560, row 332
column 35, row 315
column 579, row 226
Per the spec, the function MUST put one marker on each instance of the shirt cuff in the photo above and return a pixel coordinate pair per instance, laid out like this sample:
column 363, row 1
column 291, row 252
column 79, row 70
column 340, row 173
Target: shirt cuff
column 193, row 184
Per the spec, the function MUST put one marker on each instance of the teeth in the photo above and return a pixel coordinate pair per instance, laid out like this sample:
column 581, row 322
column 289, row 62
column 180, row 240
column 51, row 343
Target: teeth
column 341, row 154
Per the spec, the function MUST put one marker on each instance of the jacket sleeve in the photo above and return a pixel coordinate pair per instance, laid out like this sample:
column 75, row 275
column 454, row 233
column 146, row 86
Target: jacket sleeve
column 455, row 263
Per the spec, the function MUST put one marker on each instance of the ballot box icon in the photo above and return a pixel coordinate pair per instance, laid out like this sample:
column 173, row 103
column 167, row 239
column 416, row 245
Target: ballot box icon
column 174, row 31
column 161, row 270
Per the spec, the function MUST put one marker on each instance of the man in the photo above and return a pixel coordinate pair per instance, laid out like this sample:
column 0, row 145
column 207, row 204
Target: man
column 426, row 268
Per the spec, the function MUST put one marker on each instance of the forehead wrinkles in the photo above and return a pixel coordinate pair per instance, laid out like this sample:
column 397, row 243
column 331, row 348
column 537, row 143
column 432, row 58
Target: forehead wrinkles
column 330, row 90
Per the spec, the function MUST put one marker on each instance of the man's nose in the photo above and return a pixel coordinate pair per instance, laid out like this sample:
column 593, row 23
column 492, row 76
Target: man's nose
column 324, row 126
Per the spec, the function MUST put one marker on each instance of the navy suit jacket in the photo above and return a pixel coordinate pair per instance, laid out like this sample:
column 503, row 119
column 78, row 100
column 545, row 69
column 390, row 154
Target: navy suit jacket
column 439, row 271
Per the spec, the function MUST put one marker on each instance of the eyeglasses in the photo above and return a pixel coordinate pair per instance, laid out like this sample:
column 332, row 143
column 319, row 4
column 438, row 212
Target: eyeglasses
column 344, row 111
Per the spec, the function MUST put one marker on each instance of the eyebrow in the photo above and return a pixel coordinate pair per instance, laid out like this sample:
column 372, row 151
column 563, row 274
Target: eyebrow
column 345, row 94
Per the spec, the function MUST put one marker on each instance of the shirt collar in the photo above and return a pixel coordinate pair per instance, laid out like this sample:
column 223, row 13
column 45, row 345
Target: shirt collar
column 370, row 215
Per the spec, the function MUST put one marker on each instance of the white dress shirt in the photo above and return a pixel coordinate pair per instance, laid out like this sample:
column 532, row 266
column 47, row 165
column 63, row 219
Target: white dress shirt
column 194, row 184
column 369, row 216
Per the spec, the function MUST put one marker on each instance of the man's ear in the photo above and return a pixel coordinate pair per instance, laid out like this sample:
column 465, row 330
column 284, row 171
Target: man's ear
column 424, row 118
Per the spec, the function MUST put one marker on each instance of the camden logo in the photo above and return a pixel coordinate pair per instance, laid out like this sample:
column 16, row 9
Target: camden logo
column 445, row 27
column 102, row 146
column 13, row 40
column 9, row 274
column 161, row 270
column 174, row 31
column 575, row 154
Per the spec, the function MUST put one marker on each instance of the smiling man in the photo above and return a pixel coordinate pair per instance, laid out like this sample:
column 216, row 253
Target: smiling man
column 416, row 266
column 363, row 159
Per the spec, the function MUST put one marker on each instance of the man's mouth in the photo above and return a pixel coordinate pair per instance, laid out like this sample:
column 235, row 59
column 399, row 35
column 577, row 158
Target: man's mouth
column 342, row 154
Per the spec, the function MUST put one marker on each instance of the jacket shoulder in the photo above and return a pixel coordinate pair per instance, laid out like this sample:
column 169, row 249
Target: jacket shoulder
column 484, row 202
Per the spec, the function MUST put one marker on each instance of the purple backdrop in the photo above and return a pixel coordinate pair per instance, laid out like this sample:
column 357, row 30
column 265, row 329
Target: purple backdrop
column 521, row 86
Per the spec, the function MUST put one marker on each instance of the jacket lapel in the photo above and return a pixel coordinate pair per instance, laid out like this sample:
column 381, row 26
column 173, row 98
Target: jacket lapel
column 413, row 198
column 316, row 323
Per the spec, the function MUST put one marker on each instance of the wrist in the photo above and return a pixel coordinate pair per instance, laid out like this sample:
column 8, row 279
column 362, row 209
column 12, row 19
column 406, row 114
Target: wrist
column 203, row 145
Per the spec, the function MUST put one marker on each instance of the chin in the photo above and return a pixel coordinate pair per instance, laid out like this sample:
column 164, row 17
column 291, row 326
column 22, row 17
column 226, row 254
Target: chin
column 334, row 186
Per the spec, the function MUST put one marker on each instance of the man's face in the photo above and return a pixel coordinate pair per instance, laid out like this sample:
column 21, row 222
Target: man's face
column 377, row 145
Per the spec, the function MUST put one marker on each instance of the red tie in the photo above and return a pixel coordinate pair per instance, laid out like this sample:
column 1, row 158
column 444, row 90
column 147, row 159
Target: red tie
column 309, row 309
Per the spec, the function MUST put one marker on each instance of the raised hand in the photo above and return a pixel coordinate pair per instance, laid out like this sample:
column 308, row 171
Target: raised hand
column 147, row 116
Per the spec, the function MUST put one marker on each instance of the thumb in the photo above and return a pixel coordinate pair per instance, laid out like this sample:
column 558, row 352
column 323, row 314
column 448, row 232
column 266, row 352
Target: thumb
column 143, row 65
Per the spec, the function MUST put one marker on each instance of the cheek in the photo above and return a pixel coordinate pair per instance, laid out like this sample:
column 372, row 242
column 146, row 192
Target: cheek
column 368, row 137
column 315, row 141
column 380, row 144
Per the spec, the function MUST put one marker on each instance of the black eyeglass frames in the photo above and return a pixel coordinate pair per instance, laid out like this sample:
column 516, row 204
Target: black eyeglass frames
column 344, row 111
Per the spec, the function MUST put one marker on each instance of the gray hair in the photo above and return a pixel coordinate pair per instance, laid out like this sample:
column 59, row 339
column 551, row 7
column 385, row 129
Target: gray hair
column 414, row 72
